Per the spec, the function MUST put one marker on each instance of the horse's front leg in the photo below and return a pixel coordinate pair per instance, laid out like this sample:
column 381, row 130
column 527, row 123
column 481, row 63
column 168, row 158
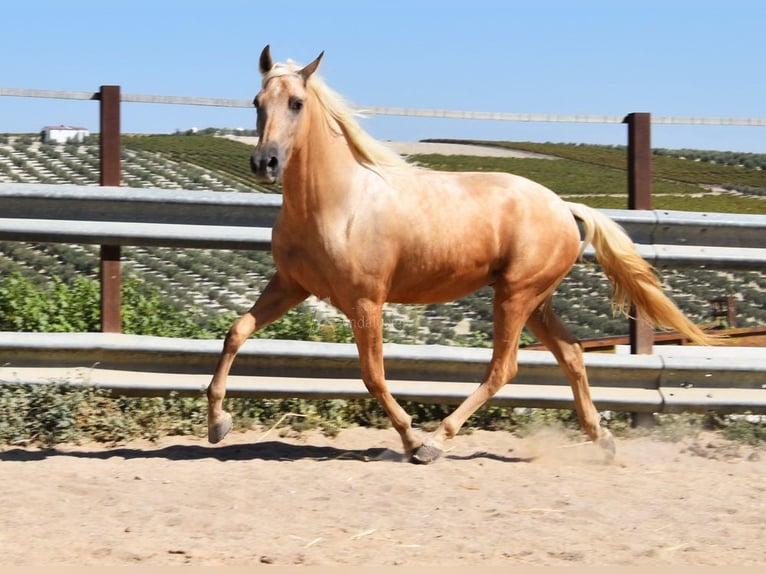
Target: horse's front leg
column 367, row 323
column 510, row 315
column 502, row 368
column 279, row 296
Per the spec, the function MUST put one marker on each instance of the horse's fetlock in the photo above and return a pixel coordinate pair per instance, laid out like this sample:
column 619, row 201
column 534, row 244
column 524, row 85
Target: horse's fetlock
column 214, row 395
column 449, row 429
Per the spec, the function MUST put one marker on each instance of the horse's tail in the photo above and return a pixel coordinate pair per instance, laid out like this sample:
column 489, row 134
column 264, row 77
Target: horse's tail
column 633, row 279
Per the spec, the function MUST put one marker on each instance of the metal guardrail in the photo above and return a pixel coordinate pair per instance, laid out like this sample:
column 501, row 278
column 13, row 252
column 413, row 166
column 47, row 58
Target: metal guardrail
column 692, row 227
column 228, row 220
column 138, row 205
column 152, row 365
column 722, row 380
column 140, row 217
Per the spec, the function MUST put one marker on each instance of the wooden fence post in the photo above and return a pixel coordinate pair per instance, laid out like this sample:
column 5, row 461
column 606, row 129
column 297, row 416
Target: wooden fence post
column 639, row 161
column 111, row 272
column 639, row 197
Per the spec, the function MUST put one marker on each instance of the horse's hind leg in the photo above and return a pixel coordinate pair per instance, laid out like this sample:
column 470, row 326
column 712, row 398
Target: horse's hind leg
column 279, row 296
column 569, row 354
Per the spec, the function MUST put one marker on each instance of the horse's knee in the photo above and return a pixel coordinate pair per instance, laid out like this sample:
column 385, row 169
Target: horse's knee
column 239, row 332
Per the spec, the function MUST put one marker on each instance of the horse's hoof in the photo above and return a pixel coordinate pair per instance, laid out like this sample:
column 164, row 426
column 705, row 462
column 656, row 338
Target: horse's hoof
column 606, row 442
column 425, row 454
column 219, row 429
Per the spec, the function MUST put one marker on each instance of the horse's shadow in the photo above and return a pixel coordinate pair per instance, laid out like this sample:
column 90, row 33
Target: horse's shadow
column 264, row 451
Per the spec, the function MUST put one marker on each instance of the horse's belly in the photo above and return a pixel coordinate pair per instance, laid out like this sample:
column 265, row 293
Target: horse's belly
column 426, row 286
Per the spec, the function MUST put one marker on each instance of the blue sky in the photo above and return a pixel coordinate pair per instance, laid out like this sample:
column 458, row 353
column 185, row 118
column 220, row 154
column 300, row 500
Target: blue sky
column 685, row 58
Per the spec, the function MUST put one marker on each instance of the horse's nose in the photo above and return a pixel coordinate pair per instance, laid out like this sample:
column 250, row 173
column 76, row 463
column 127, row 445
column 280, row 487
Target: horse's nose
column 266, row 163
column 258, row 164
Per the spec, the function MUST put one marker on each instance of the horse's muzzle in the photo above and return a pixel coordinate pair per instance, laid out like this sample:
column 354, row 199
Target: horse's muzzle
column 267, row 163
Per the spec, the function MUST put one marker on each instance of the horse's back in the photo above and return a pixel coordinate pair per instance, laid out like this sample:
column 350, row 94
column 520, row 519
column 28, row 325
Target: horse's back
column 456, row 232
column 502, row 208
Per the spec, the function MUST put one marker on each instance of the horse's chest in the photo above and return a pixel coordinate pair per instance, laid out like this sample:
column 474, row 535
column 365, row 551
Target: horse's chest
column 310, row 260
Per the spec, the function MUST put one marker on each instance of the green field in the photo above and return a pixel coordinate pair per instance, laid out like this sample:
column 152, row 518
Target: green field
column 597, row 175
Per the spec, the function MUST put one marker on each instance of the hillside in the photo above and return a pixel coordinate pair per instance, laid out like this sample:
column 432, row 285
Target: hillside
column 687, row 180
column 208, row 283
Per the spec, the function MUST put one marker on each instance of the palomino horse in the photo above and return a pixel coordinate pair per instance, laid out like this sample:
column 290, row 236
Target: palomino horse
column 361, row 227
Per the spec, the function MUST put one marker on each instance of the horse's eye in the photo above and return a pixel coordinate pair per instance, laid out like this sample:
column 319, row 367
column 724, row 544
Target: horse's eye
column 296, row 104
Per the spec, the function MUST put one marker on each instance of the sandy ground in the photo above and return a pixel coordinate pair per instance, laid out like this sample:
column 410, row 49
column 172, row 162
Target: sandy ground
column 410, row 148
column 495, row 499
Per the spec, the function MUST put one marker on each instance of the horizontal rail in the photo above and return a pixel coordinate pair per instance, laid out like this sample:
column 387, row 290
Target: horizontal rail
column 156, row 205
column 393, row 111
column 259, row 239
column 556, row 118
column 723, row 380
column 692, row 256
column 692, row 227
column 139, row 205
column 51, row 94
column 230, row 220
column 136, row 234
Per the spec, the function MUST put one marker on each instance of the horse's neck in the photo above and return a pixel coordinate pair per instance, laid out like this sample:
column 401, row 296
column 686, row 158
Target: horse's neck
column 318, row 177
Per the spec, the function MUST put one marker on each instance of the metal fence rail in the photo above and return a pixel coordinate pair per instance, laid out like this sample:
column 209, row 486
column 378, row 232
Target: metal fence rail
column 722, row 380
column 229, row 220
column 391, row 111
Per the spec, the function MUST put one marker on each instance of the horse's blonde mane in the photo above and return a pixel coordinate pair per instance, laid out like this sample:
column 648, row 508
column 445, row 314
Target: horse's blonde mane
column 367, row 149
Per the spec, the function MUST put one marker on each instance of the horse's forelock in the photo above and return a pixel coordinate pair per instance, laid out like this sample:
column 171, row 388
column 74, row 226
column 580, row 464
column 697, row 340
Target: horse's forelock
column 288, row 68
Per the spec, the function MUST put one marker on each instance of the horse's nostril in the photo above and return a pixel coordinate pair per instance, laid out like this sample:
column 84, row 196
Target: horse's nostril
column 267, row 162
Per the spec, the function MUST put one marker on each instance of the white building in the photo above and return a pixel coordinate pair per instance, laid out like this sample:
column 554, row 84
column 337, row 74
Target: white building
column 63, row 134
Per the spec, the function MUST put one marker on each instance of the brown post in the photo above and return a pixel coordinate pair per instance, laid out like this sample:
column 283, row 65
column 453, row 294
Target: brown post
column 111, row 272
column 639, row 197
column 639, row 161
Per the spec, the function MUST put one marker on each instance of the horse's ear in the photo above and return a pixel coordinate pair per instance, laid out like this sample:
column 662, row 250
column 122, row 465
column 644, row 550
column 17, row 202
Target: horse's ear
column 309, row 69
column 266, row 63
